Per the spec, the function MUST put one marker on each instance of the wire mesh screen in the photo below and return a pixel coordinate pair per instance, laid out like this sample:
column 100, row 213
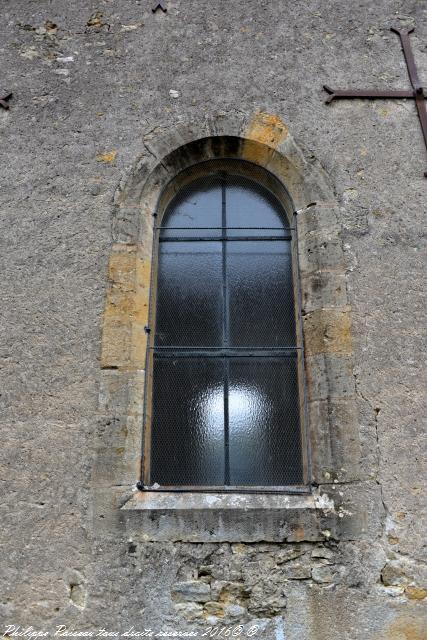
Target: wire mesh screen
column 225, row 401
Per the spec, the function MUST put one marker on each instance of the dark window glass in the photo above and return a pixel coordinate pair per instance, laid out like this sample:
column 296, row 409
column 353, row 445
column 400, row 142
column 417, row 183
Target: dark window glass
column 261, row 300
column 189, row 295
column 251, row 206
column 196, row 210
column 225, row 401
column 264, row 438
column 188, row 431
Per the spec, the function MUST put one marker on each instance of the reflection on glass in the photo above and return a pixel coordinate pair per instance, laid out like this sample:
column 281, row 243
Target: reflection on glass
column 241, row 401
column 264, row 435
column 187, row 444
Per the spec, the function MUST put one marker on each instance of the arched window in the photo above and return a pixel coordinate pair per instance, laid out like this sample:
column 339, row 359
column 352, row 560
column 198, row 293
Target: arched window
column 224, row 401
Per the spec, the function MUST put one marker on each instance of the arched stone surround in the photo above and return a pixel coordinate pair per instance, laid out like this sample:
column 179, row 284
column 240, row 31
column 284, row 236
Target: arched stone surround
column 265, row 141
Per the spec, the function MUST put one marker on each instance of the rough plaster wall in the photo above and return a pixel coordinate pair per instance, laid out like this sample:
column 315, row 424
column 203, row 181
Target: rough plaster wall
column 74, row 129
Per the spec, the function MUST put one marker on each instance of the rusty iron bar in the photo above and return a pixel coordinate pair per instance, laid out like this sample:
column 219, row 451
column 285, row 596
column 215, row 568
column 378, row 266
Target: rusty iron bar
column 409, row 56
column 4, row 102
column 415, row 81
column 336, row 94
column 418, row 94
column 160, row 4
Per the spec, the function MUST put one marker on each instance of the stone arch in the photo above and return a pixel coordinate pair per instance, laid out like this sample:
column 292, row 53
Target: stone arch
column 264, row 140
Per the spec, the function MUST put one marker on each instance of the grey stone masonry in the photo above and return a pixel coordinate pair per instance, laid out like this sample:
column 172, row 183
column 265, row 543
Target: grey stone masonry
column 110, row 103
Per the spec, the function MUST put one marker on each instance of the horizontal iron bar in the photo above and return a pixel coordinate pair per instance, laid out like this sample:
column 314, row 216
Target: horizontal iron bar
column 372, row 94
column 228, row 353
column 221, row 239
column 222, row 228
column 226, row 489
column 205, row 348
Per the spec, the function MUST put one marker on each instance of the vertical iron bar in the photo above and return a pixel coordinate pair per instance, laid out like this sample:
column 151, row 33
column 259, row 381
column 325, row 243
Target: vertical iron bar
column 225, row 332
column 409, row 56
column 413, row 76
column 422, row 114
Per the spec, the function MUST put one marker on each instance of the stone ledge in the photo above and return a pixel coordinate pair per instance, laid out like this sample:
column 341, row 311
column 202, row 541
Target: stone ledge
column 166, row 501
column 348, row 511
column 206, row 517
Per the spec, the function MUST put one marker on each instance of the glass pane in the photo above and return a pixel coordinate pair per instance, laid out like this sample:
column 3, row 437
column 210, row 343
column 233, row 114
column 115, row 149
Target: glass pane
column 250, row 205
column 264, row 431
column 197, row 205
column 189, row 294
column 188, row 422
column 261, row 300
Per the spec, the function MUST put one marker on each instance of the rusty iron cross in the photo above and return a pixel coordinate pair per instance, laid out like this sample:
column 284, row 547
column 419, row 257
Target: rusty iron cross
column 161, row 4
column 416, row 94
column 4, row 101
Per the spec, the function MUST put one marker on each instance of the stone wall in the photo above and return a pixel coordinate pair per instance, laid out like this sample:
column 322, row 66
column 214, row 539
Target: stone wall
column 94, row 91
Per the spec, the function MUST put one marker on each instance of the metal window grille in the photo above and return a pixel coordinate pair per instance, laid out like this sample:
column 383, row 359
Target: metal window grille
column 225, row 393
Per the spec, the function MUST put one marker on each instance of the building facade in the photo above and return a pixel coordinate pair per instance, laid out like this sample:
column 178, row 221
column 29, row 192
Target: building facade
column 114, row 106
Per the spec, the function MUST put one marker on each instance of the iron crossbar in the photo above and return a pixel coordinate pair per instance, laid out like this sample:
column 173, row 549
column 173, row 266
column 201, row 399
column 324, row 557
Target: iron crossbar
column 221, row 239
column 418, row 94
column 286, row 352
column 288, row 489
column 228, row 228
column 210, row 348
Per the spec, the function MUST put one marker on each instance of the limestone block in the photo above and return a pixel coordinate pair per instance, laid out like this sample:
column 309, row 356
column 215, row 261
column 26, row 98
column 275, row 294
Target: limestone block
column 320, row 251
column 191, row 591
column 324, row 573
column 189, row 610
column 322, row 289
column 334, row 438
column 328, row 331
column 329, row 376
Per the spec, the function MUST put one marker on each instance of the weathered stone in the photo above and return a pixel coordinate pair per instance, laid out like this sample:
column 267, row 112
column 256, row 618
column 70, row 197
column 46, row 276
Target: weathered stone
column 194, row 517
column 235, row 611
column 323, row 552
column 267, row 600
column 76, row 240
column 319, row 252
column 296, row 570
column 287, row 554
column 216, row 588
column 335, row 445
column 329, row 376
column 189, row 610
column 328, row 331
column 323, row 289
column 404, row 572
column 317, row 219
column 191, row 591
column 416, row 593
column 214, row 608
column 324, row 573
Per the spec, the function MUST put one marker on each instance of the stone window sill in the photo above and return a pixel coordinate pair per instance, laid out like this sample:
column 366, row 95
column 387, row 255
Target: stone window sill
column 222, row 517
column 182, row 501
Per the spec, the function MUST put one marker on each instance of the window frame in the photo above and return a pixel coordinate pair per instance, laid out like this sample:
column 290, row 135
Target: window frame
column 338, row 491
column 260, row 176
